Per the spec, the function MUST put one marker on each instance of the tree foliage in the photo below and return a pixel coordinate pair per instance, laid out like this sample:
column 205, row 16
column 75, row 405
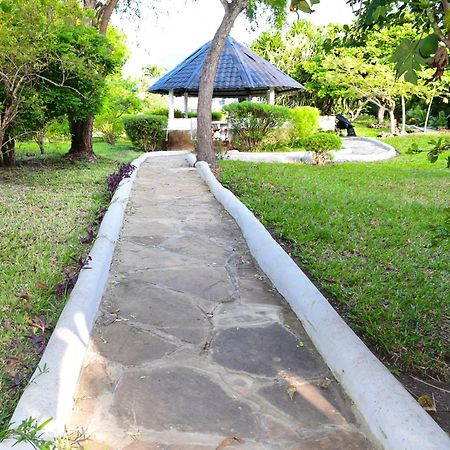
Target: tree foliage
column 430, row 45
column 50, row 66
column 119, row 98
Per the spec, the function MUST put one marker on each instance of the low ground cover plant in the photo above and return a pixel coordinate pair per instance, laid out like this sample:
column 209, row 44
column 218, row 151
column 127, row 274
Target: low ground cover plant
column 365, row 232
column 146, row 131
column 47, row 206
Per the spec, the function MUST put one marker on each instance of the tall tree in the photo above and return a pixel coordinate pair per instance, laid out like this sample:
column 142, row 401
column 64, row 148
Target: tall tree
column 232, row 9
column 27, row 50
column 100, row 13
column 81, row 127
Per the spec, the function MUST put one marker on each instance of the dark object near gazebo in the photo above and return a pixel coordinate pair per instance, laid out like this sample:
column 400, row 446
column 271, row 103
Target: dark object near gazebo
column 345, row 124
column 241, row 73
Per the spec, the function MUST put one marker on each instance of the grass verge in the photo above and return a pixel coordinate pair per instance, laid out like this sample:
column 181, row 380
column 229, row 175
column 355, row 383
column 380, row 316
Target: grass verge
column 46, row 204
column 364, row 233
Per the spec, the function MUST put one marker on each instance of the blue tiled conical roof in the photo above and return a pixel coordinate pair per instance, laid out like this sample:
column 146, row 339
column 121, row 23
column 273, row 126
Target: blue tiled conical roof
column 241, row 72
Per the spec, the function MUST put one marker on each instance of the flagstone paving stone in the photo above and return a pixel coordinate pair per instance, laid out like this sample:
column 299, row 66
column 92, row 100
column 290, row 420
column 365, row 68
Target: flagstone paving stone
column 193, row 348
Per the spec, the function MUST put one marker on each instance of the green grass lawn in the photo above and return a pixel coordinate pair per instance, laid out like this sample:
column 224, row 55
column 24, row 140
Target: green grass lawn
column 46, row 204
column 363, row 232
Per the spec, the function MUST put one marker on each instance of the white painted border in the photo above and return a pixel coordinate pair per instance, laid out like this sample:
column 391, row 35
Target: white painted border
column 51, row 395
column 394, row 418
column 345, row 155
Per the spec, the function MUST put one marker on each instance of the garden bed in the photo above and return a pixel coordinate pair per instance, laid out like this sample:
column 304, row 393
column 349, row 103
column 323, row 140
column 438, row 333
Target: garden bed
column 46, row 206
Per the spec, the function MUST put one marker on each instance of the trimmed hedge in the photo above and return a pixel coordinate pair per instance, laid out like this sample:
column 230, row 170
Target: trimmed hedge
column 305, row 121
column 253, row 124
column 165, row 112
column 146, row 131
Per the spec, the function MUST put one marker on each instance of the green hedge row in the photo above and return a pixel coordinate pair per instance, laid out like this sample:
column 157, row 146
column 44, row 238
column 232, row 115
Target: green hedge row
column 146, row 131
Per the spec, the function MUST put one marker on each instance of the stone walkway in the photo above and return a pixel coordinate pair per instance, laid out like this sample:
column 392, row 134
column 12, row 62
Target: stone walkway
column 193, row 348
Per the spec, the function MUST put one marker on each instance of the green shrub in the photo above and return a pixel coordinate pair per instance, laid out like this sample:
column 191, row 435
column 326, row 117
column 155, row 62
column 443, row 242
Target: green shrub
column 165, row 112
column 305, row 121
column 217, row 116
column 146, row 131
column 320, row 143
column 252, row 124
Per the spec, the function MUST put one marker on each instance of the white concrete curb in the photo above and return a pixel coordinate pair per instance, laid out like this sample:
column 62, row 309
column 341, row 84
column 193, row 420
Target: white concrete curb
column 394, row 418
column 383, row 153
column 51, row 394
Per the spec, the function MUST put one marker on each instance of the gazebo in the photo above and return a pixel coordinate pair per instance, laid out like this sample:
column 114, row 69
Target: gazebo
column 241, row 74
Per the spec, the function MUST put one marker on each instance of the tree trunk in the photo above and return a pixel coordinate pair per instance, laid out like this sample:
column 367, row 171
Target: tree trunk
column 427, row 118
column 39, row 137
column 9, row 153
column 392, row 121
column 380, row 116
column 403, row 115
column 81, row 139
column 205, row 150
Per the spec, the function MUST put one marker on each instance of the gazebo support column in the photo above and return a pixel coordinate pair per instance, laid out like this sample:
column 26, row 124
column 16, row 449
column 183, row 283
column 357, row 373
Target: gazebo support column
column 186, row 105
column 171, row 105
column 271, row 96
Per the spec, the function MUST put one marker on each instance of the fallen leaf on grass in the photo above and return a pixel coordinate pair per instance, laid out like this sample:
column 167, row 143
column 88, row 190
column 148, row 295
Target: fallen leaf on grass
column 229, row 441
column 325, row 383
column 41, row 285
column 24, row 295
column 12, row 366
column 39, row 322
column 291, row 390
column 427, row 402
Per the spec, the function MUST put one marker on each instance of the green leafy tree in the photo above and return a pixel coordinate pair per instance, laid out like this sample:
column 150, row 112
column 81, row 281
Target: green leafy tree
column 431, row 18
column 120, row 98
column 27, row 51
column 99, row 16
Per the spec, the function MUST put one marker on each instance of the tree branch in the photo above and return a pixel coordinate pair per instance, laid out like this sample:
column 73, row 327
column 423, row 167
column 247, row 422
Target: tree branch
column 226, row 5
column 106, row 14
column 434, row 24
column 61, row 85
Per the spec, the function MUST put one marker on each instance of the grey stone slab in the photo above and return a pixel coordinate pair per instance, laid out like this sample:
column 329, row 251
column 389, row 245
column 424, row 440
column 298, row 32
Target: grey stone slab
column 265, row 351
column 183, row 399
column 128, row 345
column 212, row 285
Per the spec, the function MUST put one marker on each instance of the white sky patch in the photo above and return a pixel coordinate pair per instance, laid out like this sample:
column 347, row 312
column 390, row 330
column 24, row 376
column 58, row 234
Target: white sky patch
column 167, row 39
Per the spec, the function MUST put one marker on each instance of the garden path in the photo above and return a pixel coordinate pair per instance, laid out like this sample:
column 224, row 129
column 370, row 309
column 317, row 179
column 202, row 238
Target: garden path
column 193, row 348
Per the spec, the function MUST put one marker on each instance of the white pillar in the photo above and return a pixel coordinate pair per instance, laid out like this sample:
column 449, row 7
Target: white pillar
column 186, row 105
column 271, row 96
column 171, row 105
column 249, row 98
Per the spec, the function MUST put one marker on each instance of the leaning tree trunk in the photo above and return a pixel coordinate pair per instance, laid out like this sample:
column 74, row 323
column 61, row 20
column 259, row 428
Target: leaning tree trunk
column 81, row 139
column 393, row 123
column 427, row 118
column 403, row 115
column 380, row 115
column 205, row 150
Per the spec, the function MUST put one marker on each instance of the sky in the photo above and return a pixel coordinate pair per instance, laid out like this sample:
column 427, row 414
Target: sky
column 165, row 39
